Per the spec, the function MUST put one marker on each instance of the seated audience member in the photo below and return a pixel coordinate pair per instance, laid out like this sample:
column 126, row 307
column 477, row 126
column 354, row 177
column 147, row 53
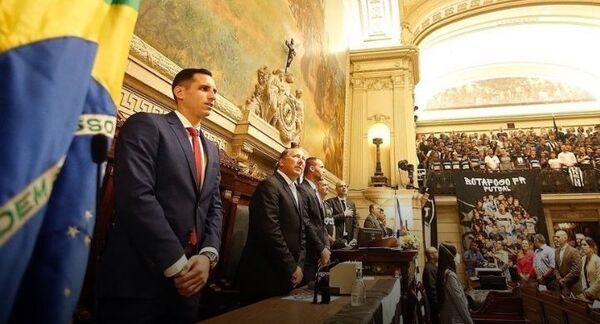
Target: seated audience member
column 473, row 259
column 525, row 262
column 376, row 219
column 452, row 300
column 568, row 265
column 429, row 278
column 590, row 271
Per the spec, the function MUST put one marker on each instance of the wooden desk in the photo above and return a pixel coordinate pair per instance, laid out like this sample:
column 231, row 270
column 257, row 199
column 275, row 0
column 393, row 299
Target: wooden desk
column 382, row 262
column 278, row 310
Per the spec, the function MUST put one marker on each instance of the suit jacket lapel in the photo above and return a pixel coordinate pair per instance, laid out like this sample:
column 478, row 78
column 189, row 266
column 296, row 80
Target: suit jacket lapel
column 209, row 176
column 184, row 141
column 289, row 191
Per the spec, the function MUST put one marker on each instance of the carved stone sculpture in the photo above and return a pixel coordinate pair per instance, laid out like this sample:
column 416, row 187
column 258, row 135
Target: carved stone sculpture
column 274, row 102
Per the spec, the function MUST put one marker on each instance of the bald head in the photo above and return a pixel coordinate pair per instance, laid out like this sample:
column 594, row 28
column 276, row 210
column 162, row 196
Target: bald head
column 431, row 253
column 561, row 237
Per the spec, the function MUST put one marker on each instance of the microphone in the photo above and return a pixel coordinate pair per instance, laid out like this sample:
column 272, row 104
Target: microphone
column 99, row 148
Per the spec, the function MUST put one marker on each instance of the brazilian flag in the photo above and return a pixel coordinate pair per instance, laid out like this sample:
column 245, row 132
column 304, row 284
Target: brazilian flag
column 62, row 65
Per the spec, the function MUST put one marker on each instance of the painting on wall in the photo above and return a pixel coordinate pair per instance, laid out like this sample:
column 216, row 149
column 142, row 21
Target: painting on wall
column 235, row 38
column 508, row 92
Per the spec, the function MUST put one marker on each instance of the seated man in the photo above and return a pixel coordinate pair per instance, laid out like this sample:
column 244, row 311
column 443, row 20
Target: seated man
column 376, row 219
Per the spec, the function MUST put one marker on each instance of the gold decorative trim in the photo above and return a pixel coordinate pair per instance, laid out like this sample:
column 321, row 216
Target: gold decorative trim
column 448, row 11
column 154, row 59
column 133, row 102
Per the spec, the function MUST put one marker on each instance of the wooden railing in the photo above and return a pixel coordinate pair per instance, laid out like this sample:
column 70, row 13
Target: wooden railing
column 550, row 307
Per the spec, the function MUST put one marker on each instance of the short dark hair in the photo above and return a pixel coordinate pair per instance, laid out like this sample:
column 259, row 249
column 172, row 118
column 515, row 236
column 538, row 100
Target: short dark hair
column 185, row 75
column 309, row 162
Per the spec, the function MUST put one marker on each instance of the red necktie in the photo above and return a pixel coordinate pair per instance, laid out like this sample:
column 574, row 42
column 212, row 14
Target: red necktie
column 198, row 158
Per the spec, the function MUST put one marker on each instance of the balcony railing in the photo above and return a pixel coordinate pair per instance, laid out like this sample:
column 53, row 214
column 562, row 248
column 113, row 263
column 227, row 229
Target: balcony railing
column 551, row 181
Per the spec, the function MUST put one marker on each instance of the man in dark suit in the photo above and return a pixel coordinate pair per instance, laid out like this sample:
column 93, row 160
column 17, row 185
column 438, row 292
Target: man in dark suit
column 317, row 244
column 272, row 261
column 429, row 282
column 167, row 229
column 344, row 215
column 568, row 263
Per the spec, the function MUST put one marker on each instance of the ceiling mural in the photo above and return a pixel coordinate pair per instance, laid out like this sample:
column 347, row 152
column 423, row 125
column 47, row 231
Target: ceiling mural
column 235, row 38
column 507, row 92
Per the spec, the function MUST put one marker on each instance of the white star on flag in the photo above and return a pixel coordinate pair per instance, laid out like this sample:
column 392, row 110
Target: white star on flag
column 87, row 239
column 88, row 215
column 72, row 231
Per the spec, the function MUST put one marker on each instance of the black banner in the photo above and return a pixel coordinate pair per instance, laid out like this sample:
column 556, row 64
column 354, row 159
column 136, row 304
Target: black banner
column 498, row 211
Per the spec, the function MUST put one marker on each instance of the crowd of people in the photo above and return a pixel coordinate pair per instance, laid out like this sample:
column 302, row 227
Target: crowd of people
column 495, row 226
column 572, row 268
column 543, row 148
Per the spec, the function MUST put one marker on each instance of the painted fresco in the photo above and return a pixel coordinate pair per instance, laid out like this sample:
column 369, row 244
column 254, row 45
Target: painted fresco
column 235, row 38
column 508, row 92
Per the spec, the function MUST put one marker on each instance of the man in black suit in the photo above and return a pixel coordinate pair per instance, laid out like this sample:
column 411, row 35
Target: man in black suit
column 272, row 261
column 167, row 229
column 344, row 215
column 317, row 244
column 429, row 281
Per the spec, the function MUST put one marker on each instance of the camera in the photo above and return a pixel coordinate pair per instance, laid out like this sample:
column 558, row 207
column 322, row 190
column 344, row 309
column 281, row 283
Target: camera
column 405, row 166
column 409, row 168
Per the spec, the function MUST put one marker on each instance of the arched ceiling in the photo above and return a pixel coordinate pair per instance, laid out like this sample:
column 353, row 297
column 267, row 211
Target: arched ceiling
column 509, row 60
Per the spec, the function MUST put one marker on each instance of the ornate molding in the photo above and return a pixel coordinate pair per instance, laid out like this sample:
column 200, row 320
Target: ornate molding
column 274, row 102
column 154, row 59
column 378, row 83
column 133, row 102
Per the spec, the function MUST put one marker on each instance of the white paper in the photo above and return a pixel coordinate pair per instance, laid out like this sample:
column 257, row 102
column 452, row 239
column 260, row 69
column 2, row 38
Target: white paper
column 542, row 288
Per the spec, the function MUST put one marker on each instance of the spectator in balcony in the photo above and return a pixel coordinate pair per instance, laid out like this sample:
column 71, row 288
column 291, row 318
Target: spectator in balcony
column 525, row 262
column 554, row 162
column 533, row 161
column 544, row 160
column 596, row 158
column 590, row 272
column 583, row 158
column 552, row 144
column 566, row 157
column 491, row 161
column 505, row 160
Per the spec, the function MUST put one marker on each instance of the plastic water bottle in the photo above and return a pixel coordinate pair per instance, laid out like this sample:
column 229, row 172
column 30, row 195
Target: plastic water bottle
column 359, row 291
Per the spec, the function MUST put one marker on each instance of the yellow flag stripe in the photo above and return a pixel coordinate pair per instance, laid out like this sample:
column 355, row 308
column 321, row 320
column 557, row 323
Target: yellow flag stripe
column 114, row 40
column 26, row 21
column 24, row 205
